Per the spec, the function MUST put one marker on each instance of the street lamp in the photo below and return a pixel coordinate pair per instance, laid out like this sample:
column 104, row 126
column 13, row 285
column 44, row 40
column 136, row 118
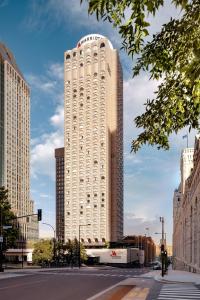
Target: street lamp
column 79, row 252
column 147, row 252
column 161, row 233
column 54, row 240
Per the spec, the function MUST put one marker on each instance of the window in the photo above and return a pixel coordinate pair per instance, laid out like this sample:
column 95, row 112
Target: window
column 102, row 205
column 102, row 177
column 95, row 54
column 95, row 74
column 67, row 56
column 74, row 54
column 81, row 65
column 95, row 206
column 88, row 201
column 102, row 45
column 95, row 194
column 102, row 77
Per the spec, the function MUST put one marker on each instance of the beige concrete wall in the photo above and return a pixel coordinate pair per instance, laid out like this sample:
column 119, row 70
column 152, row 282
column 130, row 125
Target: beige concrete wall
column 16, row 144
column 93, row 142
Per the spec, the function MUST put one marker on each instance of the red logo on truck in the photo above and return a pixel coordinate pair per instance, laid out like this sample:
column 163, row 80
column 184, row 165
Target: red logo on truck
column 113, row 253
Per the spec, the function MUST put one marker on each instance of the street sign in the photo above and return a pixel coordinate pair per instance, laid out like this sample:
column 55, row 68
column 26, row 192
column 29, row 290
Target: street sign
column 7, row 227
column 1, row 239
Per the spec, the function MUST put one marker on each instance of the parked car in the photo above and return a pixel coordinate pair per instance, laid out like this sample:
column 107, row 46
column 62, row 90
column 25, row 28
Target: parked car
column 157, row 266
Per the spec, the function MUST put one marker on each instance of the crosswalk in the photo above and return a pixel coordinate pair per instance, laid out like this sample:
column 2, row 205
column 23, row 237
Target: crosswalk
column 179, row 291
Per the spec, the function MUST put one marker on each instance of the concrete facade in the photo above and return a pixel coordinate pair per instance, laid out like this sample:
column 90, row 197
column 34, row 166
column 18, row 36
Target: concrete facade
column 59, row 155
column 15, row 141
column 186, row 212
column 93, row 141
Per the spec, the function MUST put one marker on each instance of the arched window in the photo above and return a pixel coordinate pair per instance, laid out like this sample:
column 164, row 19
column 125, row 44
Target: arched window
column 102, row 45
column 67, row 56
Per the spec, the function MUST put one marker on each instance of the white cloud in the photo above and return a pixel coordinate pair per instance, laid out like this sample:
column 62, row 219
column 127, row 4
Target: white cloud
column 44, row 196
column 43, row 147
column 41, row 83
column 56, row 70
column 136, row 225
column 51, row 83
column 57, row 120
column 42, row 154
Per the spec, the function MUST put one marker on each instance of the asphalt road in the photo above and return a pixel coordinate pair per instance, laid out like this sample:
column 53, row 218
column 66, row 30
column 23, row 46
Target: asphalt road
column 73, row 284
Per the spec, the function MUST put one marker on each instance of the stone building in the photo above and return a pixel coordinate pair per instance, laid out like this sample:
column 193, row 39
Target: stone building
column 186, row 213
column 93, row 141
column 15, row 142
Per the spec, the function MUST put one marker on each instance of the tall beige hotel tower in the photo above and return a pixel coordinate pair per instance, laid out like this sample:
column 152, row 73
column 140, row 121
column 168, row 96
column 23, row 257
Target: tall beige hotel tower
column 15, row 141
column 93, row 130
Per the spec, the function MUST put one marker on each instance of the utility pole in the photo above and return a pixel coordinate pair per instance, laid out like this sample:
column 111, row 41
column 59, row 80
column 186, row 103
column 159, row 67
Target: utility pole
column 54, row 240
column 162, row 245
column 1, row 239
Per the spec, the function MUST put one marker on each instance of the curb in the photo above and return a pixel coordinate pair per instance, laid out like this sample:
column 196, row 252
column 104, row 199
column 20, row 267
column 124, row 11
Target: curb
column 173, row 281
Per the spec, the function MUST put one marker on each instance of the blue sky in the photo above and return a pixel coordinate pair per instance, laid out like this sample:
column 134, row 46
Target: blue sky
column 38, row 32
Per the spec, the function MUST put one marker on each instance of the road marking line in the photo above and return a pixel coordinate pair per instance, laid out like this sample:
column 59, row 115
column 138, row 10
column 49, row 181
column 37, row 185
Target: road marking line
column 137, row 294
column 106, row 290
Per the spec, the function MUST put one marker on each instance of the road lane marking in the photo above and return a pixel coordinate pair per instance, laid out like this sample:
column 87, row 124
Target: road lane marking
column 137, row 294
column 104, row 291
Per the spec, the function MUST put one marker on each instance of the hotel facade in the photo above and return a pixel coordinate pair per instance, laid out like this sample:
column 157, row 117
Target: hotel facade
column 186, row 212
column 93, row 142
column 15, row 142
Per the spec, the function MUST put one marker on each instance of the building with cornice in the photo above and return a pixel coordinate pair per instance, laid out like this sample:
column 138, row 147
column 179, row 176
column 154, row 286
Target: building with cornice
column 93, row 142
column 15, row 142
column 186, row 212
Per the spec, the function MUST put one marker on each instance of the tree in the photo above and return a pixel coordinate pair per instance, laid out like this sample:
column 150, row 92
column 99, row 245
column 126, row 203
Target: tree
column 7, row 218
column 43, row 251
column 72, row 249
column 173, row 56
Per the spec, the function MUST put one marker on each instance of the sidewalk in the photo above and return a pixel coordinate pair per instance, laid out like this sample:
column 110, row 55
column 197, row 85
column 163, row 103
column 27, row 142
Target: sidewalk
column 175, row 276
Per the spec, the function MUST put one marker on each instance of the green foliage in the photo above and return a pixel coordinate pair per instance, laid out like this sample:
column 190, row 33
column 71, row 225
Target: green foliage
column 69, row 252
column 172, row 56
column 7, row 218
column 43, row 251
column 72, row 249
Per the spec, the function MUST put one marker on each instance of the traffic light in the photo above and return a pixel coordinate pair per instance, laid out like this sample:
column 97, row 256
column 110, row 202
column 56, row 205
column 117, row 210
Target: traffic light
column 39, row 215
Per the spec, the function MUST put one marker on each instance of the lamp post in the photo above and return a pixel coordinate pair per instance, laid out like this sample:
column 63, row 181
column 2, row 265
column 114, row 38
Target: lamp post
column 165, row 234
column 162, row 245
column 147, row 252
column 54, row 240
column 79, row 244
